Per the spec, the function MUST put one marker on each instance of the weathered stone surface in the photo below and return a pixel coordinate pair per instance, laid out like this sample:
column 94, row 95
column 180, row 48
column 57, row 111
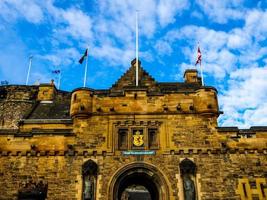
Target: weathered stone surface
column 50, row 146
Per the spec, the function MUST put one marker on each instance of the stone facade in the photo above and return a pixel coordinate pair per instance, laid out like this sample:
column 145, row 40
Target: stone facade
column 96, row 143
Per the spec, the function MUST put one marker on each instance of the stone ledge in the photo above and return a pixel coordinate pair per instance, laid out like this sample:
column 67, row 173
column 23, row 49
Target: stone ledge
column 55, row 132
column 8, row 131
column 46, row 121
column 84, row 153
column 252, row 129
column 197, row 151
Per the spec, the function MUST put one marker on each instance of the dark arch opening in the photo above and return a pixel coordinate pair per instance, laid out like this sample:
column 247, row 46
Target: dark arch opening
column 188, row 167
column 138, row 179
column 89, row 168
column 143, row 175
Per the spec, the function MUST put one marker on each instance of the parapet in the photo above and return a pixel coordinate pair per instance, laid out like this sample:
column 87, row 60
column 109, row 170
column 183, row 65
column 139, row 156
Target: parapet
column 46, row 92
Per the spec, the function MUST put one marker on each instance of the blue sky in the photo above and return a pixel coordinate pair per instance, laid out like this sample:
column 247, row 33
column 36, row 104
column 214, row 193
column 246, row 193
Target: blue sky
column 231, row 33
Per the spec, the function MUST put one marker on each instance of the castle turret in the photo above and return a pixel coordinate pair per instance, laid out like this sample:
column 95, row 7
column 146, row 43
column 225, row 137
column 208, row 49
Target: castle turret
column 46, row 92
column 206, row 101
column 81, row 102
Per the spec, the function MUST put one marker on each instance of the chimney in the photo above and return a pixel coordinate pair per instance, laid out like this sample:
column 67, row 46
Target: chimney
column 191, row 76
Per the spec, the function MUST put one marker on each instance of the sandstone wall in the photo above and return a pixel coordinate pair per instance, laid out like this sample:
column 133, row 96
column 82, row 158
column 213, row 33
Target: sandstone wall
column 54, row 150
column 217, row 174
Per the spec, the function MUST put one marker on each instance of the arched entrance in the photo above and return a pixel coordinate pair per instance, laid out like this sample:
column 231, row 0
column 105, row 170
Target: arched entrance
column 138, row 181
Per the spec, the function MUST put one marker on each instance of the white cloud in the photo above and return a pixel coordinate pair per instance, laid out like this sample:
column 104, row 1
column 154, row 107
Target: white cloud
column 62, row 57
column 257, row 116
column 14, row 9
column 119, row 13
column 70, row 22
column 118, row 17
column 223, row 52
column 256, row 24
column 114, row 27
column 244, row 102
column 208, row 38
column 116, row 56
column 217, row 59
column 238, row 39
column 222, row 11
column 163, row 48
column 79, row 24
column 168, row 9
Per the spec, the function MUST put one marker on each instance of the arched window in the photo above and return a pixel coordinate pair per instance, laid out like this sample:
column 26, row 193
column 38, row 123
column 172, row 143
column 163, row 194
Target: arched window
column 89, row 171
column 188, row 171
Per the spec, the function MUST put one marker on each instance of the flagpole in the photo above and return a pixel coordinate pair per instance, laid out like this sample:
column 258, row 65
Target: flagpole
column 199, row 60
column 29, row 69
column 202, row 77
column 136, row 49
column 85, row 72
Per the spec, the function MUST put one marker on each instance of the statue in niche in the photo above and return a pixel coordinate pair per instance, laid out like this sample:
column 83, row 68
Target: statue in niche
column 89, row 171
column 89, row 188
column 189, row 188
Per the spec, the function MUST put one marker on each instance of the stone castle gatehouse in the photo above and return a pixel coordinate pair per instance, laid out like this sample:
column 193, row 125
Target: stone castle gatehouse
column 157, row 141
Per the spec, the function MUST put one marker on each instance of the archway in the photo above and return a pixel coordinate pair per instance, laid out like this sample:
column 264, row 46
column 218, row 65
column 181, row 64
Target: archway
column 140, row 181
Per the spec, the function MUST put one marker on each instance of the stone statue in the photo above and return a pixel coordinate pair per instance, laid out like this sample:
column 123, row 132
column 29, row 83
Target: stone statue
column 189, row 188
column 125, row 195
column 89, row 188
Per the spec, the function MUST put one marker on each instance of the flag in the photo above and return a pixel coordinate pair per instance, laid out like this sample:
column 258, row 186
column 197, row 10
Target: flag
column 83, row 57
column 56, row 72
column 198, row 56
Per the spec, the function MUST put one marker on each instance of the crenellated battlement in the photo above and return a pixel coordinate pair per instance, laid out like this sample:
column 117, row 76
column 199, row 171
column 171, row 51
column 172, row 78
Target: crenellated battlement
column 138, row 101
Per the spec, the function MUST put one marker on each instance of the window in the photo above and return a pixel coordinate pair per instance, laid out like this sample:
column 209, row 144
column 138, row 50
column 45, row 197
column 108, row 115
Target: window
column 82, row 108
column 153, row 138
column 137, row 135
column 122, row 137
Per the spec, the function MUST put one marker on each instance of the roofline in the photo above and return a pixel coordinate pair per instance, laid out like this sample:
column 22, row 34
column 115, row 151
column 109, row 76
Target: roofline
column 236, row 129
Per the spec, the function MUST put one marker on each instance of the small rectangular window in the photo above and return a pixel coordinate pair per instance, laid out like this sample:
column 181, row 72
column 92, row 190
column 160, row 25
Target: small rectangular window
column 82, row 108
column 122, row 139
column 153, row 138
